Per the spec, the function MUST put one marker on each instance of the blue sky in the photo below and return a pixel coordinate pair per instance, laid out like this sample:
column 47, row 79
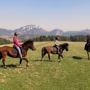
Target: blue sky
column 49, row 14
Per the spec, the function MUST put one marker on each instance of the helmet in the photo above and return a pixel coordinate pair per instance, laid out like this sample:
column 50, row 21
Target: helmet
column 15, row 33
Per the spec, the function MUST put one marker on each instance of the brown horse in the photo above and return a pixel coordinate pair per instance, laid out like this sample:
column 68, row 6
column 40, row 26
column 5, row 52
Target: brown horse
column 53, row 50
column 10, row 51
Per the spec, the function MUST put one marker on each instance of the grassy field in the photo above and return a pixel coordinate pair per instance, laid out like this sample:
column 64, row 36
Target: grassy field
column 72, row 73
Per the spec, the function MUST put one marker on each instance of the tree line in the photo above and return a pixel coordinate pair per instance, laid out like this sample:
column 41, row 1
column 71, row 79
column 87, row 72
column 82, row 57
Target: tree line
column 61, row 38
column 4, row 41
column 75, row 38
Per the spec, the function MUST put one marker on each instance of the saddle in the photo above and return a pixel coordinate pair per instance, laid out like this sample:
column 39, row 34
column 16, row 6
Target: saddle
column 16, row 51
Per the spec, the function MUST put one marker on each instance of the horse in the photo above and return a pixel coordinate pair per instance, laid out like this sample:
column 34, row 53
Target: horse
column 53, row 50
column 87, row 48
column 12, row 52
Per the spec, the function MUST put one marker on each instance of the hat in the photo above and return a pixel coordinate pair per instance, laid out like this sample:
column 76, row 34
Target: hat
column 15, row 33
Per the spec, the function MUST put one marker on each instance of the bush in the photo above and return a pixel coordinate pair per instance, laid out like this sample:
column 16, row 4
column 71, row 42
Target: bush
column 4, row 41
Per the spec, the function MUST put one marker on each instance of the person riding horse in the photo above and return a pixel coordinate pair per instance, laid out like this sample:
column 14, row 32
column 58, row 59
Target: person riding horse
column 56, row 44
column 87, row 46
column 17, row 45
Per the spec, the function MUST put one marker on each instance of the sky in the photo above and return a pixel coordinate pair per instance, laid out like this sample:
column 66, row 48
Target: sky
column 67, row 15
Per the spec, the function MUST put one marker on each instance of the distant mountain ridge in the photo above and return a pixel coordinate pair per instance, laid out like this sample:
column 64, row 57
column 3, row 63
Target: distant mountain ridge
column 31, row 29
column 36, row 30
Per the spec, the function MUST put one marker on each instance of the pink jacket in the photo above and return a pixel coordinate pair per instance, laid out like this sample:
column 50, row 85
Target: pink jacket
column 16, row 41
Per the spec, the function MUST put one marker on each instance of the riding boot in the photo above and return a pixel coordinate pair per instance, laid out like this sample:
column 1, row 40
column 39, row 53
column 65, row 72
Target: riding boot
column 20, row 60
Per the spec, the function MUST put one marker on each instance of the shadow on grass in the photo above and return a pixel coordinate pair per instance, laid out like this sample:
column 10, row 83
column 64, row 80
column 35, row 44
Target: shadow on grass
column 10, row 66
column 77, row 57
column 44, row 60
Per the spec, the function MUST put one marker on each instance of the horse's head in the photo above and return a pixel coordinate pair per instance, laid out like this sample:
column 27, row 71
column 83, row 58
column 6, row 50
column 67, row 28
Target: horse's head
column 64, row 46
column 29, row 44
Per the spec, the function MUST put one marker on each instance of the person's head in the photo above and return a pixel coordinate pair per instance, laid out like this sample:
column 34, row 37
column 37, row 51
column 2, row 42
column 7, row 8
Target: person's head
column 56, row 38
column 15, row 34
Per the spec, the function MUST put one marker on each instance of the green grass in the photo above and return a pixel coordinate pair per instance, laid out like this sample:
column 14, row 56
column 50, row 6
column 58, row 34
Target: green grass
column 72, row 73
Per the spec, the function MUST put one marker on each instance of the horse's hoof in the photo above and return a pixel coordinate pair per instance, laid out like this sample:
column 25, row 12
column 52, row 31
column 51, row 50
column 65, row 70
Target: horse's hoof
column 59, row 60
column 19, row 66
column 27, row 65
column 5, row 67
column 50, row 60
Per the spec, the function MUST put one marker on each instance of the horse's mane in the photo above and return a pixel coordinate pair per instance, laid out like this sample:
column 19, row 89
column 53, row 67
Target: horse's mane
column 27, row 42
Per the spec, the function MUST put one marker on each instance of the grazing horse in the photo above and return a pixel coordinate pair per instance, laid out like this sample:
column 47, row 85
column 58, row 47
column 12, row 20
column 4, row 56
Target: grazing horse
column 53, row 50
column 12, row 52
column 87, row 47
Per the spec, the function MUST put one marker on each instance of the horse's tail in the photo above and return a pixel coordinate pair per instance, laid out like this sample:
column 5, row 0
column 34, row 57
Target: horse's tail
column 0, row 55
column 43, row 51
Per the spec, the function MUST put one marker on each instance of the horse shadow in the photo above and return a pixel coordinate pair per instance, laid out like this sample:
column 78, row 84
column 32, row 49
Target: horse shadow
column 10, row 66
column 45, row 60
column 77, row 57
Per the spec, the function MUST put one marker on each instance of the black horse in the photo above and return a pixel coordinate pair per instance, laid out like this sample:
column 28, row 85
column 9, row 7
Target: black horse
column 87, row 46
column 53, row 50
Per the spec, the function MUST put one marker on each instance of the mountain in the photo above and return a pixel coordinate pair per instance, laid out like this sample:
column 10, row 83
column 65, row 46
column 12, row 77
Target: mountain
column 56, row 32
column 36, row 30
column 5, row 32
column 85, row 32
column 33, row 30
column 73, row 33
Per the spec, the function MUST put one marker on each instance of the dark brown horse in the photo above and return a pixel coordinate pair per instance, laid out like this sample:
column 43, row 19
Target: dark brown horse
column 53, row 50
column 87, row 46
column 10, row 51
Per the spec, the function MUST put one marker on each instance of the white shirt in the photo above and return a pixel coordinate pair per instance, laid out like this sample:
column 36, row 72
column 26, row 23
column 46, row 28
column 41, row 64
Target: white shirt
column 57, row 42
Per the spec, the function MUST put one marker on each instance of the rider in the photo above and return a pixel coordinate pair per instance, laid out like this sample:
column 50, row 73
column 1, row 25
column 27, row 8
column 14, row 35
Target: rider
column 16, row 42
column 57, row 43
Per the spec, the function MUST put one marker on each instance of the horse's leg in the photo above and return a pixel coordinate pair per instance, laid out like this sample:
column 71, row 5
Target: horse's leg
column 61, row 55
column 88, row 55
column 49, row 56
column 43, row 54
column 4, row 59
column 58, row 56
column 25, row 59
column 20, row 61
